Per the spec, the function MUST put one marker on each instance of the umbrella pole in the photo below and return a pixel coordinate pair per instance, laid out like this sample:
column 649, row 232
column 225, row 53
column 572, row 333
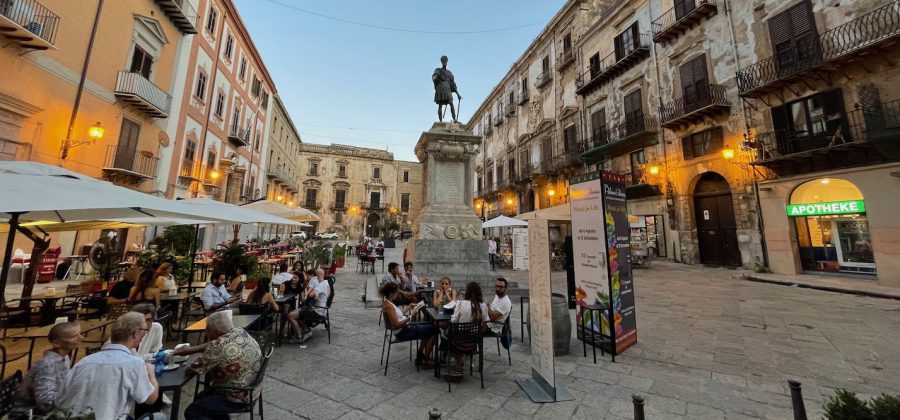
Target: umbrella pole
column 193, row 257
column 236, row 228
column 7, row 254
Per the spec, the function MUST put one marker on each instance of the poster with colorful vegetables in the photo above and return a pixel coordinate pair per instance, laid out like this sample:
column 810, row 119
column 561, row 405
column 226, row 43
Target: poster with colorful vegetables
column 618, row 248
column 589, row 250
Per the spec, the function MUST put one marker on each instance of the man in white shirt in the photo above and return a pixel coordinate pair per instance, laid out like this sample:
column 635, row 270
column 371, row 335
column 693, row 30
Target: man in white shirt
column 412, row 281
column 317, row 291
column 492, row 252
column 500, row 306
column 394, row 275
column 112, row 380
column 215, row 296
column 282, row 276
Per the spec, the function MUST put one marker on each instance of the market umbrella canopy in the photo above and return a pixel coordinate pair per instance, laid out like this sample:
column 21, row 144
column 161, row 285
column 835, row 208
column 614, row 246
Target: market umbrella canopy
column 247, row 215
column 501, row 221
column 559, row 213
column 299, row 214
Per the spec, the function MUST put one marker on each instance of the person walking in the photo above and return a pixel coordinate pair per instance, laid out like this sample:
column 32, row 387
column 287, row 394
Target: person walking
column 492, row 252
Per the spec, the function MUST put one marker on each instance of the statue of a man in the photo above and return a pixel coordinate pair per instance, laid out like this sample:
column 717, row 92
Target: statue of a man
column 444, row 88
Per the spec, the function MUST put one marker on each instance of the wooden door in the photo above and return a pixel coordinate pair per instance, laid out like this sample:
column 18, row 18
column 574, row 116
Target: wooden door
column 695, row 83
column 683, row 7
column 717, row 230
column 598, row 127
column 634, row 113
column 127, row 147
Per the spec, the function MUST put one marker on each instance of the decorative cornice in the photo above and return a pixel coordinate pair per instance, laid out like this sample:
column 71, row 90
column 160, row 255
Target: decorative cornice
column 18, row 106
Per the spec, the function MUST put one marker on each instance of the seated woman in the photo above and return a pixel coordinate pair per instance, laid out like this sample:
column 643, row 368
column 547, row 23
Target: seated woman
column 39, row 390
column 144, row 291
column 445, row 294
column 298, row 267
column 471, row 309
column 296, row 286
column 262, row 294
column 164, row 278
column 236, row 286
column 405, row 328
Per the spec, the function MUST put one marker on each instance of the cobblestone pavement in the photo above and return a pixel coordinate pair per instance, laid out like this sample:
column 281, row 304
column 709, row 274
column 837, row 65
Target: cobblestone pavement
column 708, row 347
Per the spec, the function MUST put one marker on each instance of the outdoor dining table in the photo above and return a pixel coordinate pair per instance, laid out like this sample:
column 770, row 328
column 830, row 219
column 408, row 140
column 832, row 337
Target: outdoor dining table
column 43, row 332
column 437, row 316
column 177, row 300
column 48, row 306
column 173, row 380
column 282, row 300
column 239, row 321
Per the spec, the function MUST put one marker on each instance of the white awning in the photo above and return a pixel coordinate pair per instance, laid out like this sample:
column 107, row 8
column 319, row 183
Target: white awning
column 501, row 221
column 560, row 213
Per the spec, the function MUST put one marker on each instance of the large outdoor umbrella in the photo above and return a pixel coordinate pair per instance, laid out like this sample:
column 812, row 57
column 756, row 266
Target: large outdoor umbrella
column 299, row 214
column 501, row 221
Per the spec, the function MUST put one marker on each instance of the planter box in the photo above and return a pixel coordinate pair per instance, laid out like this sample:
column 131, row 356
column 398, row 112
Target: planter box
column 389, row 243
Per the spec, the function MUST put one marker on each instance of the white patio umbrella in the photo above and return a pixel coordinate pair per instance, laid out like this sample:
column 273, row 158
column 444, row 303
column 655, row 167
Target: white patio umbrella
column 501, row 221
column 299, row 214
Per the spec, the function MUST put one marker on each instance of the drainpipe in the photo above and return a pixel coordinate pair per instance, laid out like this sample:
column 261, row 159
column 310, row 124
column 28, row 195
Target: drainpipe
column 212, row 90
column 87, row 60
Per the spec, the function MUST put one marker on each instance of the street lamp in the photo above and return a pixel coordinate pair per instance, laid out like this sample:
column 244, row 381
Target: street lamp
column 95, row 132
column 728, row 153
column 654, row 170
column 214, row 174
column 279, row 199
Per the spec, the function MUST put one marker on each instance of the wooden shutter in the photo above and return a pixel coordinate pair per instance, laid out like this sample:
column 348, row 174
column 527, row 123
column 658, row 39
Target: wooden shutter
column 598, row 127
column 595, row 65
column 570, row 138
column 687, row 147
column 683, row 7
column 695, row 83
column 128, row 142
column 794, row 37
column 547, row 148
column 634, row 113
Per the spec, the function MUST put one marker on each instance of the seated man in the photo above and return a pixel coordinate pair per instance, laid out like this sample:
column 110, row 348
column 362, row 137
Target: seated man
column 112, row 380
column 500, row 306
column 231, row 358
column 215, row 296
column 44, row 383
column 412, row 281
column 394, row 275
column 315, row 298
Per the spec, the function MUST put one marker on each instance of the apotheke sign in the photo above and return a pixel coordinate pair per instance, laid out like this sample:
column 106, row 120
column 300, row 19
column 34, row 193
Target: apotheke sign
column 821, row 209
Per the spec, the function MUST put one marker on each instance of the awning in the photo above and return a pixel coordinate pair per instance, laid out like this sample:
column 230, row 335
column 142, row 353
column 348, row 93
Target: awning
column 299, row 214
column 558, row 213
column 501, row 221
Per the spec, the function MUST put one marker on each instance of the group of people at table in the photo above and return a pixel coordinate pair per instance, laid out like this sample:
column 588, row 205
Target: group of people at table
column 116, row 382
column 401, row 306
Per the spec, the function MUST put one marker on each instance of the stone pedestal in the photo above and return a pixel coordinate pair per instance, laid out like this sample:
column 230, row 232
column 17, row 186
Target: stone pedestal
column 447, row 236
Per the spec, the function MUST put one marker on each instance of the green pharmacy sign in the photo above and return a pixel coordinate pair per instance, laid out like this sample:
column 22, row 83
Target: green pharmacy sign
column 822, row 209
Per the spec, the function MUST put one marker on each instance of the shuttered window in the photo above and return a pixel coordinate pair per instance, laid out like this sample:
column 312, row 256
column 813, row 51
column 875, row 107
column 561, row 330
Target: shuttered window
column 595, row 65
column 634, row 113
column 598, row 127
column 141, row 62
column 694, row 83
column 703, row 143
column 795, row 41
column 546, row 149
column 627, row 41
column 570, row 138
column 683, row 7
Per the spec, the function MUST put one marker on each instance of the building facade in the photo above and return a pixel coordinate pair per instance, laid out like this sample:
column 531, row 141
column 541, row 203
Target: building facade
column 283, row 168
column 353, row 189
column 99, row 107
column 221, row 132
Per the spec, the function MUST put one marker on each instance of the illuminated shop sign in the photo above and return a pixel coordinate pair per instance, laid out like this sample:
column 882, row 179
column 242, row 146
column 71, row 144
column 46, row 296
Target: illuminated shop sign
column 822, row 209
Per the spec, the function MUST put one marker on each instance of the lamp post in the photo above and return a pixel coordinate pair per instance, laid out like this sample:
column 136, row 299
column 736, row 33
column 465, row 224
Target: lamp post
column 95, row 132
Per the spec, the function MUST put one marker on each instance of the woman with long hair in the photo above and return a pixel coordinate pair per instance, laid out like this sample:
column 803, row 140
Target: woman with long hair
column 445, row 294
column 470, row 309
column 405, row 328
column 145, row 289
column 262, row 294
column 237, row 281
column 165, row 281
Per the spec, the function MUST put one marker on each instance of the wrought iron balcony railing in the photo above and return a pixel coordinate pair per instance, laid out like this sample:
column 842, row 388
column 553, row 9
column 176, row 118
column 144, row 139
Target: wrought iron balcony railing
column 183, row 15
column 239, row 137
column 543, row 79
column 564, row 58
column 128, row 161
column 565, row 160
column 28, row 23
column 339, row 206
column 678, row 20
column 694, row 105
column 614, row 64
column 522, row 97
column 135, row 89
column 826, row 50
column 373, row 205
column 313, row 205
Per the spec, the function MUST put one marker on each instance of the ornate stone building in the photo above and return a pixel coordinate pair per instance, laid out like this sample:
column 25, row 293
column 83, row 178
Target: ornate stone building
column 282, row 156
column 352, row 189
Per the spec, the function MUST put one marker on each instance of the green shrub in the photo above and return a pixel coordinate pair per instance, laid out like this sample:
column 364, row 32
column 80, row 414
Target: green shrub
column 885, row 407
column 845, row 405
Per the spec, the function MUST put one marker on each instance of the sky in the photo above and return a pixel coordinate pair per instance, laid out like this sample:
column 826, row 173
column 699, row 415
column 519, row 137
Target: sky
column 358, row 85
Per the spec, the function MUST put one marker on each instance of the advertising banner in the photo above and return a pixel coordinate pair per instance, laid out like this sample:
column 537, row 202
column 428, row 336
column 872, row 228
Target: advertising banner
column 47, row 265
column 589, row 248
column 618, row 249
column 539, row 304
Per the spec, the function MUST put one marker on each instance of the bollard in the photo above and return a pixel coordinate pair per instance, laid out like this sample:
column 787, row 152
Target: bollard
column 434, row 414
column 797, row 400
column 638, row 406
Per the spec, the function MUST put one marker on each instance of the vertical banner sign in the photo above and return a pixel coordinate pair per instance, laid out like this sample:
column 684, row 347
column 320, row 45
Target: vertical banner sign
column 520, row 248
column 589, row 249
column 539, row 304
column 618, row 249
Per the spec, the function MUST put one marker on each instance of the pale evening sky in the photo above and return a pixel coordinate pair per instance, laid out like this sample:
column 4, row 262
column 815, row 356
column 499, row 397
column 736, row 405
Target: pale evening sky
column 334, row 76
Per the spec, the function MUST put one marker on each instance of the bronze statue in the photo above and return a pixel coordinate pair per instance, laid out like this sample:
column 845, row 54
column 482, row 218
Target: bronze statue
column 444, row 88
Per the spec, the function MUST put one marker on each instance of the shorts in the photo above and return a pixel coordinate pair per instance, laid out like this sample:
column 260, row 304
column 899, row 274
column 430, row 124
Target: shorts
column 418, row 330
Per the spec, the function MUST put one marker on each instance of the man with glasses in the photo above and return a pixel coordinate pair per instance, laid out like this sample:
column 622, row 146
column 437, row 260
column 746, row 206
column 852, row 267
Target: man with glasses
column 500, row 306
column 112, row 380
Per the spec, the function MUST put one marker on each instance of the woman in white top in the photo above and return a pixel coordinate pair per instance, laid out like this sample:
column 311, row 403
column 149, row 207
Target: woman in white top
column 164, row 278
column 405, row 328
column 471, row 309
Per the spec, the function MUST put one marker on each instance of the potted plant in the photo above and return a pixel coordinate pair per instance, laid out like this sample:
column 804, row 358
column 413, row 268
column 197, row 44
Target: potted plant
column 389, row 227
column 317, row 255
column 339, row 254
column 228, row 257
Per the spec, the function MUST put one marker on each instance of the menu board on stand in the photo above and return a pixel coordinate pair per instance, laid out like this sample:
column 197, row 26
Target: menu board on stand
column 520, row 248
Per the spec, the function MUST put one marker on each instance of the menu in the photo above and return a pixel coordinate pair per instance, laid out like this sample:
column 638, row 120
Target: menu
column 539, row 303
column 520, row 248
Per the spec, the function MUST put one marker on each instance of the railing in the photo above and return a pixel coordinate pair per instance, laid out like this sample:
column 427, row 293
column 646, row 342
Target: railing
column 137, row 85
column 694, row 100
column 522, row 97
column 131, row 160
column 32, row 16
column 634, row 126
column 613, row 63
column 564, row 58
column 670, row 18
column 312, row 204
column 249, row 192
column 373, row 205
column 595, row 141
column 543, row 79
column 881, row 123
column 239, row 136
column 14, row 150
column 564, row 160
column 498, row 120
column 869, row 29
column 191, row 169
column 182, row 14
column 526, row 171
column 339, row 205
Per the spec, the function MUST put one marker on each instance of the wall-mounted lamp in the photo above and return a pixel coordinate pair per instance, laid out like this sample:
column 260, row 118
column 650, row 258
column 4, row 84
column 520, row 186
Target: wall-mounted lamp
column 654, row 170
column 728, row 153
column 95, row 132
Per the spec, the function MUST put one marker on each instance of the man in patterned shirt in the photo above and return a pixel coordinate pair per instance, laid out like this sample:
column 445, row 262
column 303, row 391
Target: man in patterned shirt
column 48, row 376
column 231, row 359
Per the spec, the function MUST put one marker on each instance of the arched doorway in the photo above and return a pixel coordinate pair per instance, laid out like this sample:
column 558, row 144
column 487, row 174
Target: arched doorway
column 832, row 229
column 372, row 225
column 528, row 203
column 714, row 216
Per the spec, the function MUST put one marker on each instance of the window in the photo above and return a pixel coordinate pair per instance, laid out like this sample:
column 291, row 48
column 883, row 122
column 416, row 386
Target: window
column 547, row 149
column 258, row 139
column 627, row 41
column 342, row 171
column 229, row 47
column 567, row 42
column 809, row 123
column 499, row 172
column 598, row 127
column 313, row 169
column 141, row 62
column 634, row 113
column 243, row 72
column 637, row 166
column 264, row 102
column 220, row 104
column 794, row 39
column 405, row 176
column 211, row 20
column 190, row 150
column 479, row 183
column 340, row 199
column 128, row 144
column 695, row 83
column 701, row 144
column 594, row 62
column 200, row 92
column 338, row 218
column 236, row 118
column 375, row 199
column 376, row 173
column 311, row 195
column 511, row 169
column 545, row 63
column 524, row 85
column 210, row 160
column 570, row 138
column 404, row 202
column 254, row 90
column 512, row 100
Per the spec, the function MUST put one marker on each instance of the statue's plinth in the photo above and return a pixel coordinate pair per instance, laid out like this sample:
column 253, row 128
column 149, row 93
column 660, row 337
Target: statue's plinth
column 447, row 236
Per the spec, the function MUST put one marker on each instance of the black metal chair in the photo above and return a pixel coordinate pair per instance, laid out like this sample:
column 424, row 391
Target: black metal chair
column 522, row 321
column 379, row 256
column 465, row 339
column 390, row 340
column 8, row 392
column 489, row 333
column 9, row 357
column 266, row 316
column 324, row 319
column 11, row 317
column 251, row 390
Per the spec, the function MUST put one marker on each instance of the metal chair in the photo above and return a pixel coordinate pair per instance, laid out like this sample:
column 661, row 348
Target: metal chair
column 465, row 339
column 324, row 319
column 267, row 317
column 390, row 340
column 8, row 392
column 522, row 321
column 488, row 333
column 250, row 390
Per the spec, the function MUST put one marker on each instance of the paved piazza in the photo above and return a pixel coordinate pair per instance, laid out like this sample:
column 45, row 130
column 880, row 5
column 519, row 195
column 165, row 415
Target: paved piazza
column 708, row 347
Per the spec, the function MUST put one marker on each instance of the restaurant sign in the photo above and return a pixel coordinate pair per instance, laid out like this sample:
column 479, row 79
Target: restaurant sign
column 822, row 209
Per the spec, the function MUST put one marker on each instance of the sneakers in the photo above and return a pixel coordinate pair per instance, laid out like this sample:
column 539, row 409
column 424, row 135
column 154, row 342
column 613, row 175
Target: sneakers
column 306, row 336
column 297, row 341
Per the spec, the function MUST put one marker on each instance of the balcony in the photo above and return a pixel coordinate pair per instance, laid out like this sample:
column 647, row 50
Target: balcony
column 129, row 165
column 191, row 171
column 487, row 129
column 526, row 172
column 493, row 213
column 339, row 206
column 28, row 23
column 181, row 13
column 249, row 192
column 564, row 59
column 497, row 121
column 866, row 136
column 522, row 97
column 633, row 133
column 373, row 205
column 565, row 160
column 828, row 51
column 543, row 79
column 14, row 150
column 613, row 65
column 239, row 137
column 705, row 101
column 141, row 93
column 511, row 110
column 675, row 22
column 312, row 205
column 280, row 176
